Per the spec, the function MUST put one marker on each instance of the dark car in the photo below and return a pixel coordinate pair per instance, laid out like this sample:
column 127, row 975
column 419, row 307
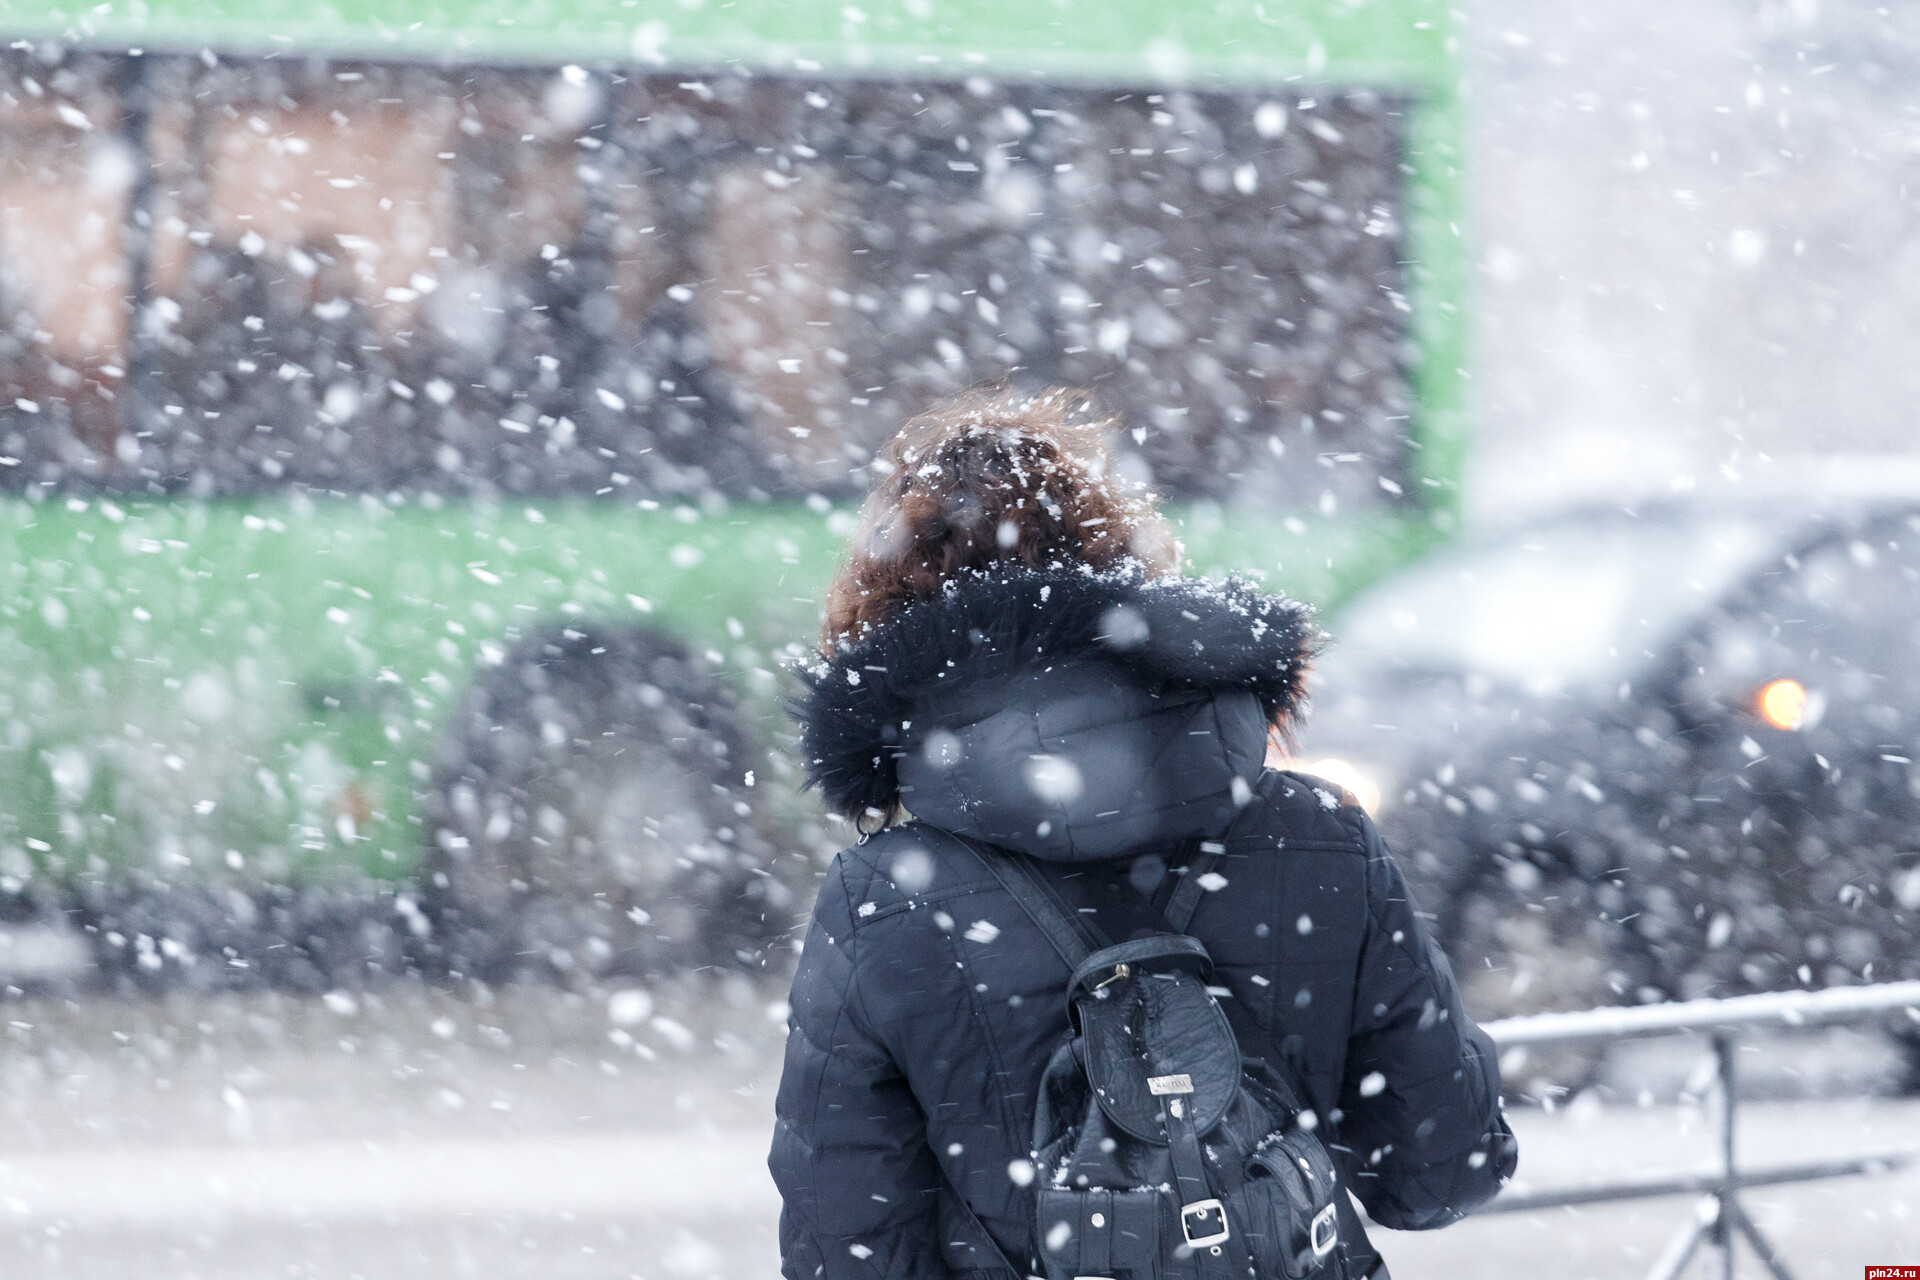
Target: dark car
column 1646, row 753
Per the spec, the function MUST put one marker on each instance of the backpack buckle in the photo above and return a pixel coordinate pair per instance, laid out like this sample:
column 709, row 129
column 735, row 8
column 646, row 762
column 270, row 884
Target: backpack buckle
column 1324, row 1222
column 1205, row 1215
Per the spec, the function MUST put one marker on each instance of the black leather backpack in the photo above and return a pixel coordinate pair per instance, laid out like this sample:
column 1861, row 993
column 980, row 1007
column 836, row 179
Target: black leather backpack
column 1160, row 1150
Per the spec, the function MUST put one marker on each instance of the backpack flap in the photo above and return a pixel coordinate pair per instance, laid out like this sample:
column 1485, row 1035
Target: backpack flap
column 1160, row 953
column 1151, row 1029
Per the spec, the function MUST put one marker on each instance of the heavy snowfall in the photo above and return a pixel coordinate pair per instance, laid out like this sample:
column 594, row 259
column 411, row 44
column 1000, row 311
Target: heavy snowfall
column 421, row 477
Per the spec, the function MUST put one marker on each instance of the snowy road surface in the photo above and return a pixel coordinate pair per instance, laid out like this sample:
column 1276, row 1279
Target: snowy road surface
column 606, row 1177
column 425, row 1135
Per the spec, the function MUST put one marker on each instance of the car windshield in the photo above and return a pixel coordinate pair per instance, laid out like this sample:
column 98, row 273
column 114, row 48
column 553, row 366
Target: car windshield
column 1576, row 602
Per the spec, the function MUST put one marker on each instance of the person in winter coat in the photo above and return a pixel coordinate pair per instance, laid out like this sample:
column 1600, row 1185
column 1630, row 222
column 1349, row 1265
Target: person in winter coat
column 1011, row 656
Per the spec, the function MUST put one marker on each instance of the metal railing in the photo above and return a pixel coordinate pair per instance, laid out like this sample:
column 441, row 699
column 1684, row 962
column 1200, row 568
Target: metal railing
column 1719, row 1217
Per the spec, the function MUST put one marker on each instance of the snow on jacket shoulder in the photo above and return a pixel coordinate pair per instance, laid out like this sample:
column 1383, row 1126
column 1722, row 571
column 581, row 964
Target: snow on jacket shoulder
column 1075, row 717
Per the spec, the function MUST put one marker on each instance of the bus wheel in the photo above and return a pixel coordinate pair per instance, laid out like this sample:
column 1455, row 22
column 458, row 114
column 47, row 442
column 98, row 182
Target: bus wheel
column 590, row 814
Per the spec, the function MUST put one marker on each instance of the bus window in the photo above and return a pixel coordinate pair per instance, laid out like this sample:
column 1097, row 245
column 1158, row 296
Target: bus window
column 775, row 251
column 944, row 287
column 851, row 261
column 291, row 177
column 365, row 276
column 384, row 277
column 65, row 177
column 296, row 213
column 1221, row 270
column 550, row 274
column 1229, row 280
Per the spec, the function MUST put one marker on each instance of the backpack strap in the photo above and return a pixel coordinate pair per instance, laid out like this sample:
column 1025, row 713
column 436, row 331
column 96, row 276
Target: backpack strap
column 1067, row 934
column 1026, row 888
column 1186, row 895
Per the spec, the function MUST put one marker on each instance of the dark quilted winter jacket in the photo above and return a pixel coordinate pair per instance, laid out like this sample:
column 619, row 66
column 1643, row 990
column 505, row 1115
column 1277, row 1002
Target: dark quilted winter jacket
column 1082, row 718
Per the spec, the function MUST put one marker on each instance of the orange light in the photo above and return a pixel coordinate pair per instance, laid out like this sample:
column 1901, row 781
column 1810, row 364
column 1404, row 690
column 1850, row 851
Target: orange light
column 1783, row 703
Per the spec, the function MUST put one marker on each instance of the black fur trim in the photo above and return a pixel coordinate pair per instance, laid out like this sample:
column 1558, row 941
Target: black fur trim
column 1183, row 632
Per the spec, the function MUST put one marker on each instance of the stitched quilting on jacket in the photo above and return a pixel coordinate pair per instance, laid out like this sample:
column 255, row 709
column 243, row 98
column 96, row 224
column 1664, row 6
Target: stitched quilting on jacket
column 1080, row 718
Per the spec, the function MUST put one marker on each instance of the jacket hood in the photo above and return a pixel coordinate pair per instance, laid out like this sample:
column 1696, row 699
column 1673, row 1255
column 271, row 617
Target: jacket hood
column 1065, row 713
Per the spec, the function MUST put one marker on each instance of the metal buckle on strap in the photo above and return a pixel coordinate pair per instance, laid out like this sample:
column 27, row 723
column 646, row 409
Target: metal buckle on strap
column 1327, row 1222
column 1198, row 1214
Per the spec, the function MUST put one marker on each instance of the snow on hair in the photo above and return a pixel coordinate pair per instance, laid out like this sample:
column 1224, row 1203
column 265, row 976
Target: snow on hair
column 992, row 477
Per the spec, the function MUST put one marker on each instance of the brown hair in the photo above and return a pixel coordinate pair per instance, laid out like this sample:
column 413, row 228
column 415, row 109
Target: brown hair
column 993, row 477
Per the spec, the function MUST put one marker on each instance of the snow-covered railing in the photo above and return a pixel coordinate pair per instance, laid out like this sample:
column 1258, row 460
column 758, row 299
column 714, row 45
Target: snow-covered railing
column 1720, row 1215
column 1775, row 1008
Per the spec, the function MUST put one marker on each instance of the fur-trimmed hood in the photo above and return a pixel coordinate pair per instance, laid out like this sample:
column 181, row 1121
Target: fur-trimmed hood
column 1067, row 713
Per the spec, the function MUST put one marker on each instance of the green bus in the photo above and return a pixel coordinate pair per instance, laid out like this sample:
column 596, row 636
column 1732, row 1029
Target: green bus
column 426, row 427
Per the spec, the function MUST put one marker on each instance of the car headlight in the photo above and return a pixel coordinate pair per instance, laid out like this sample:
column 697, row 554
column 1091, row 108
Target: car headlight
column 1363, row 785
